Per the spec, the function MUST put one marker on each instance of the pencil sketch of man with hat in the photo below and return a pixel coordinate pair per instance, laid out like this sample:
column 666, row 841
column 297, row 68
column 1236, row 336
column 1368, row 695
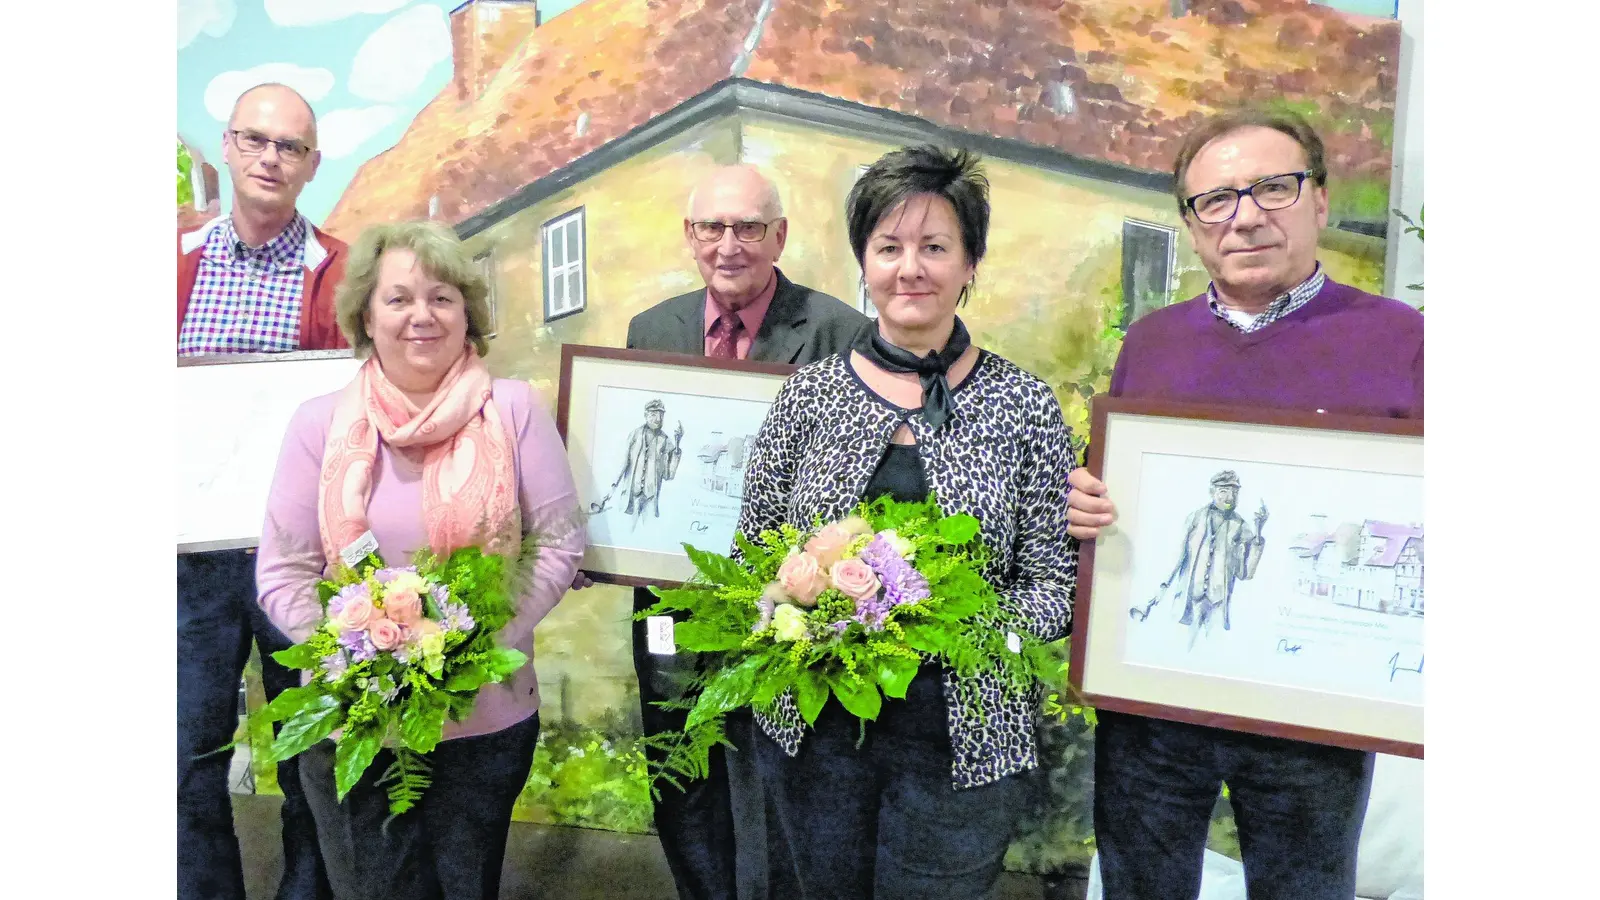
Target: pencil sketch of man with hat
column 652, row 458
column 1219, row 549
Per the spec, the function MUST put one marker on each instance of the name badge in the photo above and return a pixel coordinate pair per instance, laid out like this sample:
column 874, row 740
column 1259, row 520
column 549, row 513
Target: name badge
column 359, row 549
column 658, row 630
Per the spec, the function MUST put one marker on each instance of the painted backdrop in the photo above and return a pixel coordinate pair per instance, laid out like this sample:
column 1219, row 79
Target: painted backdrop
column 560, row 138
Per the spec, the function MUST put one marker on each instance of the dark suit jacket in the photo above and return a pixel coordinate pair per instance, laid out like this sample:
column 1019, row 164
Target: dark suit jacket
column 801, row 325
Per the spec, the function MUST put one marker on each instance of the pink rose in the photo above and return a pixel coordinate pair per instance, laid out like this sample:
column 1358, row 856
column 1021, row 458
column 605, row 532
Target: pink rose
column 386, row 635
column 855, row 579
column 829, row 544
column 403, row 606
column 802, row 578
column 357, row 612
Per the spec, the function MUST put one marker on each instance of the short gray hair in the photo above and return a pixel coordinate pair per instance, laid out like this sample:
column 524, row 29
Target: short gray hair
column 441, row 254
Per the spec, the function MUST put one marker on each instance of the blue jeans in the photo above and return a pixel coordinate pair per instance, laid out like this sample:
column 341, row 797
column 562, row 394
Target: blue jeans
column 1299, row 807
column 217, row 614
column 883, row 821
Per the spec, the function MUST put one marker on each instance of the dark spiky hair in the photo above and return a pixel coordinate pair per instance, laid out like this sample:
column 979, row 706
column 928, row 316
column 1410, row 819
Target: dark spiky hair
column 954, row 174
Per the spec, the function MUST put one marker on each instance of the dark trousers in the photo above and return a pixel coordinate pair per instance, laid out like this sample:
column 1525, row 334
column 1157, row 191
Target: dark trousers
column 883, row 821
column 217, row 614
column 450, row 846
column 720, row 835
column 1299, row 808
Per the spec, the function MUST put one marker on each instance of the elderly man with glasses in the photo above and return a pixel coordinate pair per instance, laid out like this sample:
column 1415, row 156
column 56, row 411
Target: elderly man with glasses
column 1272, row 331
column 716, row 832
column 258, row 280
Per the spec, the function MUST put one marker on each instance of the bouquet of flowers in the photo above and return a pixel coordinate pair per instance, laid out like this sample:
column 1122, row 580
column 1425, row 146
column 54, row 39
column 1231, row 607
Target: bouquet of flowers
column 399, row 650
column 848, row 609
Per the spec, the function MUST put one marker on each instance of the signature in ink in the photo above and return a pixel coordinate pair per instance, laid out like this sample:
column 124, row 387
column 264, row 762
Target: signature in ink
column 699, row 527
column 1285, row 647
column 1395, row 667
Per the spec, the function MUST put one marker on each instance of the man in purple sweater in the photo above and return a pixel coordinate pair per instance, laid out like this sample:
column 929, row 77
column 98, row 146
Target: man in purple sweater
column 1271, row 331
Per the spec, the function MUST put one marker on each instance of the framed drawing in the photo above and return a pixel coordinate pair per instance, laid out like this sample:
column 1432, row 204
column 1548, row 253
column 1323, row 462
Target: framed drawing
column 658, row 444
column 1265, row 573
column 233, row 410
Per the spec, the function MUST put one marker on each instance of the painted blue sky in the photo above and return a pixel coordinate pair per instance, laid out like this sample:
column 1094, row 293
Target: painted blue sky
column 367, row 66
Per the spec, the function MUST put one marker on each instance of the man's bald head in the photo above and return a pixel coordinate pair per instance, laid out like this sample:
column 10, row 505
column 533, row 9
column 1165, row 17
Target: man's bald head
column 267, row 178
column 277, row 95
column 744, row 181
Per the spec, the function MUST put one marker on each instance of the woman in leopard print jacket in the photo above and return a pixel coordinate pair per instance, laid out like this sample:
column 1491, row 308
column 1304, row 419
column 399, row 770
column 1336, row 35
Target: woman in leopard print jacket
column 926, row 805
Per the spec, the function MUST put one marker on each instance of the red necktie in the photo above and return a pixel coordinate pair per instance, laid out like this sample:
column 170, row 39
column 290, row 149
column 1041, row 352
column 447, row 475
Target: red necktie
column 725, row 336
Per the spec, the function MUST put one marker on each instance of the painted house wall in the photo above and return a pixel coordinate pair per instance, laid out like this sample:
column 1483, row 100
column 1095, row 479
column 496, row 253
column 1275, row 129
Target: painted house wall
column 635, row 253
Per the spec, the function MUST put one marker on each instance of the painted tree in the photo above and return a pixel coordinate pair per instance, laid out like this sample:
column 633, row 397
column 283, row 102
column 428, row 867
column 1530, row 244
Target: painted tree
column 185, row 172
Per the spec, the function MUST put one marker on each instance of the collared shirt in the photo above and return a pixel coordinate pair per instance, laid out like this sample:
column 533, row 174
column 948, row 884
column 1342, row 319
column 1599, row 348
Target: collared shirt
column 1284, row 304
column 751, row 316
column 247, row 299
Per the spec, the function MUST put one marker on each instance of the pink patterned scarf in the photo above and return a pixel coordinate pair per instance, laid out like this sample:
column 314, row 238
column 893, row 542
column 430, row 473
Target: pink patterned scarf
column 469, row 482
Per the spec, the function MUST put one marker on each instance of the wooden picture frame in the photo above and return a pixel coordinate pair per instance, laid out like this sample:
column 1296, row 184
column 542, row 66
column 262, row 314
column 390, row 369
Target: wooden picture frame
column 603, row 415
column 1321, row 605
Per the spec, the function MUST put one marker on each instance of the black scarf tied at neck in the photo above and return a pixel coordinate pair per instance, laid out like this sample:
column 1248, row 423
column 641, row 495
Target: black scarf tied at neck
column 932, row 370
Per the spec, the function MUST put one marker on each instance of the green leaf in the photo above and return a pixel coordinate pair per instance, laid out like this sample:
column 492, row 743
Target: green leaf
column 771, row 684
column 702, row 637
column 422, row 724
column 287, row 704
column 716, row 568
column 858, row 695
column 959, row 607
column 895, row 674
column 300, row 656
column 356, row 749
column 505, row 661
column 927, row 636
column 958, row 529
column 316, row 720
column 469, row 677
column 730, row 689
column 810, row 693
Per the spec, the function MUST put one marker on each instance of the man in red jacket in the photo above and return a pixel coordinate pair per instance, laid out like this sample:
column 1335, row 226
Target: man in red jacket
column 259, row 280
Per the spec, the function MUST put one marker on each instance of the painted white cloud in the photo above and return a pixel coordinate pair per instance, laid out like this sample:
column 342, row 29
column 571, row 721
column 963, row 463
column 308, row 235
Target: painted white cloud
column 214, row 17
column 343, row 131
column 396, row 58
column 313, row 84
column 292, row 13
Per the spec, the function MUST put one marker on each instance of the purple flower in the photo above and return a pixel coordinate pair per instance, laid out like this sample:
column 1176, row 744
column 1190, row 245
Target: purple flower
column 387, row 575
column 335, row 664
column 441, row 594
column 456, row 617
column 905, row 586
column 881, row 555
column 359, row 645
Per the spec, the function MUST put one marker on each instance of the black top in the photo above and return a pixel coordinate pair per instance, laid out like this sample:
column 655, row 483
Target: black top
column 899, row 476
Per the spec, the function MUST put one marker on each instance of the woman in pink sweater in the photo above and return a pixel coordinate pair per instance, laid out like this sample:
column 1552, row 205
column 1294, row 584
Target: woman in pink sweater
column 422, row 448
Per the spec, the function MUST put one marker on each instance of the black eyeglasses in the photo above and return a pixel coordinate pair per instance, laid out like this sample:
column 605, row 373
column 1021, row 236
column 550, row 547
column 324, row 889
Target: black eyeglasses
column 254, row 142
column 1273, row 192
column 744, row 232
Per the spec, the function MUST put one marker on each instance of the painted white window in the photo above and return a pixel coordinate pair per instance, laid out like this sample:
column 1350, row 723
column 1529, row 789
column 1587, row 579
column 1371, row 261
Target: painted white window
column 863, row 300
column 486, row 269
column 1149, row 261
column 565, row 282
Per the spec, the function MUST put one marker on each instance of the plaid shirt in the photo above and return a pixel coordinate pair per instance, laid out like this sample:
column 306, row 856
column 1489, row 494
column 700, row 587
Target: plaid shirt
column 1285, row 303
column 247, row 300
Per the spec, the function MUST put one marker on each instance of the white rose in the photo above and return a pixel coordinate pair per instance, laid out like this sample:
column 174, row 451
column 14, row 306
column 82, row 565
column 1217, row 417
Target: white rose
column 901, row 546
column 789, row 622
